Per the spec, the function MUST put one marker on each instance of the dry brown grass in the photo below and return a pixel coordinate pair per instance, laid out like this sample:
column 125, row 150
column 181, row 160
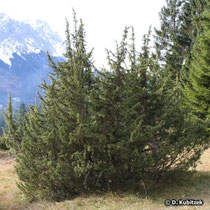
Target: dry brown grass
column 10, row 196
column 186, row 186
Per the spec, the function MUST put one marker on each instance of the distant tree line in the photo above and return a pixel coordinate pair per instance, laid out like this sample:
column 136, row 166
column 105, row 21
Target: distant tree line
column 5, row 122
column 146, row 114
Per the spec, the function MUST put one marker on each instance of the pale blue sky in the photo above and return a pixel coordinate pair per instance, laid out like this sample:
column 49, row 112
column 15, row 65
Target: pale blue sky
column 104, row 19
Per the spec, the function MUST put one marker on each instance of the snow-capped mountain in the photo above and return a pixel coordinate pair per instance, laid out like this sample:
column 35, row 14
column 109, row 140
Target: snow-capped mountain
column 50, row 37
column 23, row 38
column 23, row 59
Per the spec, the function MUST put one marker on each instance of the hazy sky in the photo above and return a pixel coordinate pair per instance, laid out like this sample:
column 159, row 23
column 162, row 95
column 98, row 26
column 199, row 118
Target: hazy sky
column 104, row 19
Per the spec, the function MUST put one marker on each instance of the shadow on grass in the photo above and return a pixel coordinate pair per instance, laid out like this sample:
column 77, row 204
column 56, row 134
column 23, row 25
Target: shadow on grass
column 190, row 184
column 179, row 185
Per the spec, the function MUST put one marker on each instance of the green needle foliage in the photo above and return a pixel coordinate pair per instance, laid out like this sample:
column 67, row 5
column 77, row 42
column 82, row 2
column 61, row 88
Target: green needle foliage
column 177, row 33
column 197, row 85
column 57, row 136
column 13, row 135
column 96, row 131
column 21, row 113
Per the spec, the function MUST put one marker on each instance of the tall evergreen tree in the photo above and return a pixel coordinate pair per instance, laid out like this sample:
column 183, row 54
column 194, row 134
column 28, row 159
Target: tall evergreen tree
column 21, row 112
column 197, row 85
column 176, row 36
column 168, row 38
column 12, row 136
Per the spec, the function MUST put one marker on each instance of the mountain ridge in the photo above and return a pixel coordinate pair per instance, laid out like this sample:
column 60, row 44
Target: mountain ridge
column 23, row 37
column 23, row 57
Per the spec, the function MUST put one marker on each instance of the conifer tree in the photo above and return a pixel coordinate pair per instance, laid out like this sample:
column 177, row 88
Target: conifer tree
column 168, row 38
column 97, row 132
column 32, row 156
column 108, row 128
column 59, row 131
column 136, row 107
column 12, row 137
column 197, row 85
column 2, row 125
column 163, row 136
column 143, row 128
column 2, row 122
column 176, row 36
column 22, row 110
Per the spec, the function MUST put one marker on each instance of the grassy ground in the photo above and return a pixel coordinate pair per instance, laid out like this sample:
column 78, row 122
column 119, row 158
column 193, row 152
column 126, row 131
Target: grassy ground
column 186, row 186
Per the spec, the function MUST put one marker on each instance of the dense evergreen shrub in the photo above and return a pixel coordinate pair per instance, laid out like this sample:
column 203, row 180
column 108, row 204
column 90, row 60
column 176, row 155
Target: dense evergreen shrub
column 97, row 131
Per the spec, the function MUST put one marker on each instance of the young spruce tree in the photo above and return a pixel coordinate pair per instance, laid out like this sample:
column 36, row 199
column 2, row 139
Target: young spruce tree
column 197, row 85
